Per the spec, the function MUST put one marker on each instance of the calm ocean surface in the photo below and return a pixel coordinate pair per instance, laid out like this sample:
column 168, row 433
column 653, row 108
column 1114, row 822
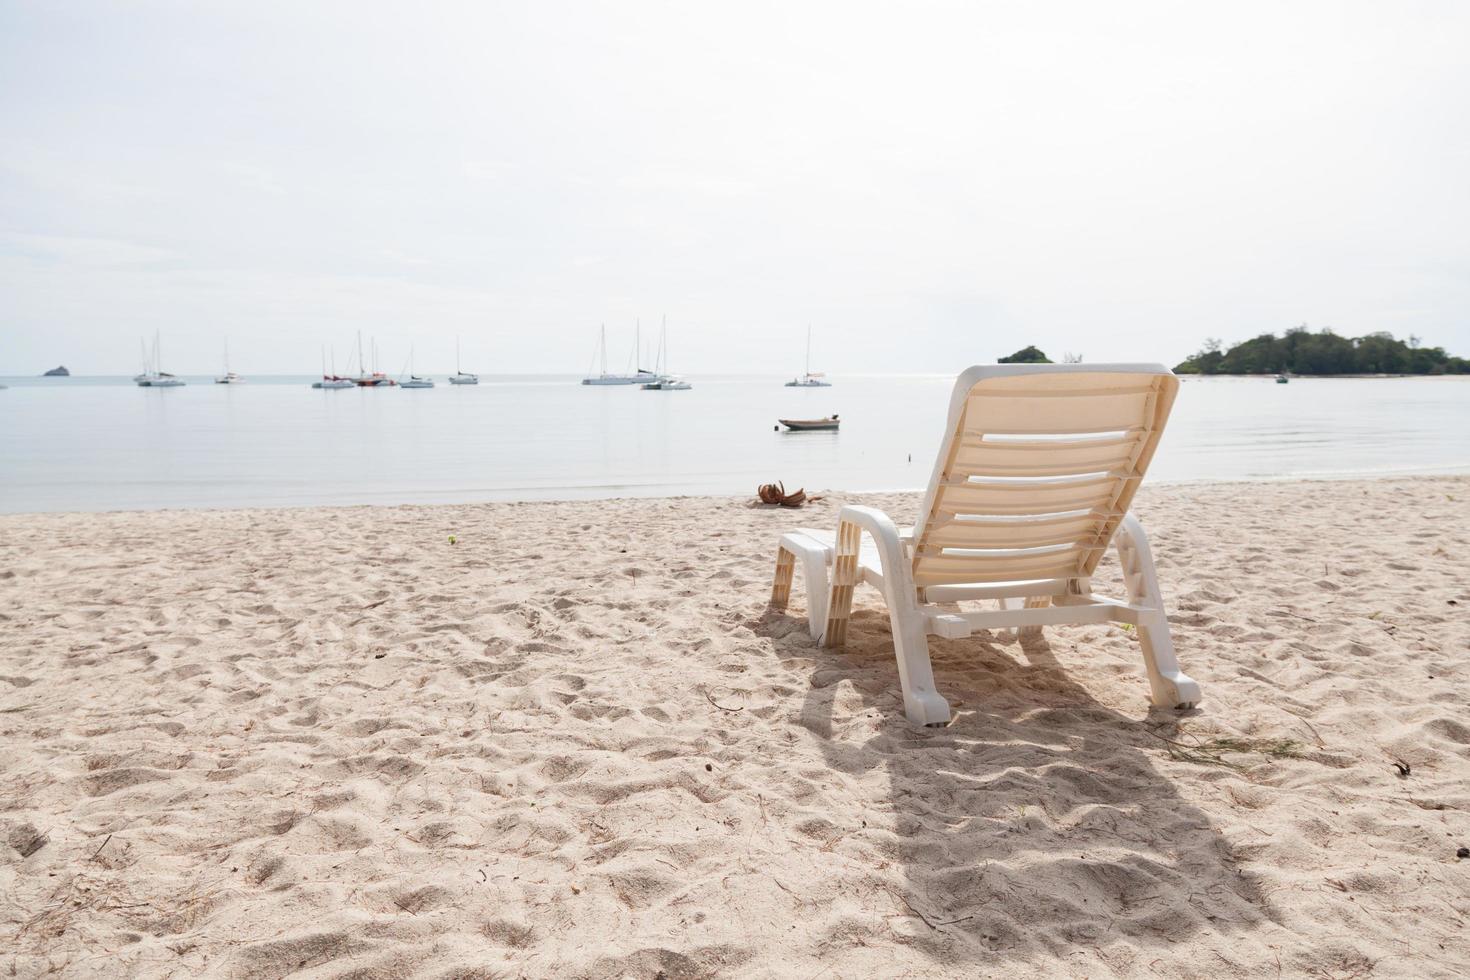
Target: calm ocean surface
column 106, row 444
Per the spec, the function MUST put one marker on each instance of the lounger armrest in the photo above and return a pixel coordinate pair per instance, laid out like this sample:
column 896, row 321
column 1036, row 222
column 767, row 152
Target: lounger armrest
column 872, row 520
column 885, row 535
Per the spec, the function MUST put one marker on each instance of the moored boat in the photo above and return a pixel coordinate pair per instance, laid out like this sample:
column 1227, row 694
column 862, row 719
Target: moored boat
column 332, row 381
column 638, row 377
column 460, row 377
column 152, row 376
column 370, row 379
column 665, row 381
column 809, row 380
column 810, row 425
column 229, row 377
column 414, row 381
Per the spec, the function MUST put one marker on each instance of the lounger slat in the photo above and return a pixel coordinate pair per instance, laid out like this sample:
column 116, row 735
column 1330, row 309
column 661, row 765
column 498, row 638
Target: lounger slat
column 989, row 499
column 998, row 459
column 1110, row 467
column 1012, row 560
column 1034, row 522
column 925, row 577
column 1035, row 427
column 995, row 412
column 1049, row 446
column 995, row 391
column 966, row 591
column 1029, row 485
column 993, row 534
column 1070, row 379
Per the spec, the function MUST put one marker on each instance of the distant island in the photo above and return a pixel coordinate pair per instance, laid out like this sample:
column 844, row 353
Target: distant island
column 1035, row 355
column 1323, row 353
column 1026, row 355
column 57, row 372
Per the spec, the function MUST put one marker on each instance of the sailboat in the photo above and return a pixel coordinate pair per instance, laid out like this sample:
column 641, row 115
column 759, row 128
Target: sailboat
column 639, row 375
column 376, row 379
column 809, row 380
column 229, row 377
column 414, row 381
column 152, row 376
column 459, row 377
column 665, row 381
column 144, row 378
column 331, row 380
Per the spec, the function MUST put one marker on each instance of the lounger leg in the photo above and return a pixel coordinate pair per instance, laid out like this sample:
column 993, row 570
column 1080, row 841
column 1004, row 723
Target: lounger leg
column 1004, row 604
column 1033, row 602
column 1170, row 687
column 922, row 704
column 844, row 580
column 785, row 568
column 813, row 571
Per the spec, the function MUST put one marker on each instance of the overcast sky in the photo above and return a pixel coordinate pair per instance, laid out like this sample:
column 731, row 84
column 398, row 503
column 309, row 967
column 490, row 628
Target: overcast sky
column 928, row 185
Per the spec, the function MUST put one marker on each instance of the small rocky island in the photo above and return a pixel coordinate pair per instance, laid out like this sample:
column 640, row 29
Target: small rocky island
column 59, row 371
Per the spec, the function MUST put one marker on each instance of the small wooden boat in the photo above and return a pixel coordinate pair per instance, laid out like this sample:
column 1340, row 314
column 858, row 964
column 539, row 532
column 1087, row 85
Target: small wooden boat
column 809, row 425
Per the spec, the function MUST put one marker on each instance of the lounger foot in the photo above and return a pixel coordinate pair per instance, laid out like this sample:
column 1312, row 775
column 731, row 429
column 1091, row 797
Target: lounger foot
column 1176, row 691
column 926, row 708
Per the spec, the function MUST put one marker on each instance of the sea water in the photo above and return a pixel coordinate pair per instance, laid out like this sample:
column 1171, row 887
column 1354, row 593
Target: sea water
column 104, row 443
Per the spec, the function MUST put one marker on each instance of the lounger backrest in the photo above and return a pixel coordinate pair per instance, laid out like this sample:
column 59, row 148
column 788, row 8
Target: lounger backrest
column 1038, row 466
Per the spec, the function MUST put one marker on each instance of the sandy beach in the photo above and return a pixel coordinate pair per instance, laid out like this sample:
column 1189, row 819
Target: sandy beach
column 575, row 742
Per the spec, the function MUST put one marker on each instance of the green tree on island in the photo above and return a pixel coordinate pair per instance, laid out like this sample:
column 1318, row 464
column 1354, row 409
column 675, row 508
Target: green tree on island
column 1302, row 352
column 1026, row 355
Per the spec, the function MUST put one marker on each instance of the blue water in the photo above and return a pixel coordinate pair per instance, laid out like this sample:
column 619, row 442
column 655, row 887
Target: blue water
column 106, row 444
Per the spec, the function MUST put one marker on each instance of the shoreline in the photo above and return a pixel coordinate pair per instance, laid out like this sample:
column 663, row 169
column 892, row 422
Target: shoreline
column 577, row 742
column 205, row 379
column 1455, row 471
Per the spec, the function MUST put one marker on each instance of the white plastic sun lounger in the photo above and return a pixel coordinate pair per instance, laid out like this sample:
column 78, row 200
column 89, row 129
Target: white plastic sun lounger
column 1034, row 478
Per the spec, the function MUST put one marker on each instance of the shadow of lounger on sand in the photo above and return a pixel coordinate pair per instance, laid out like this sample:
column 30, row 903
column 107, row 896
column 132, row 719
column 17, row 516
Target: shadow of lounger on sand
column 1036, row 823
